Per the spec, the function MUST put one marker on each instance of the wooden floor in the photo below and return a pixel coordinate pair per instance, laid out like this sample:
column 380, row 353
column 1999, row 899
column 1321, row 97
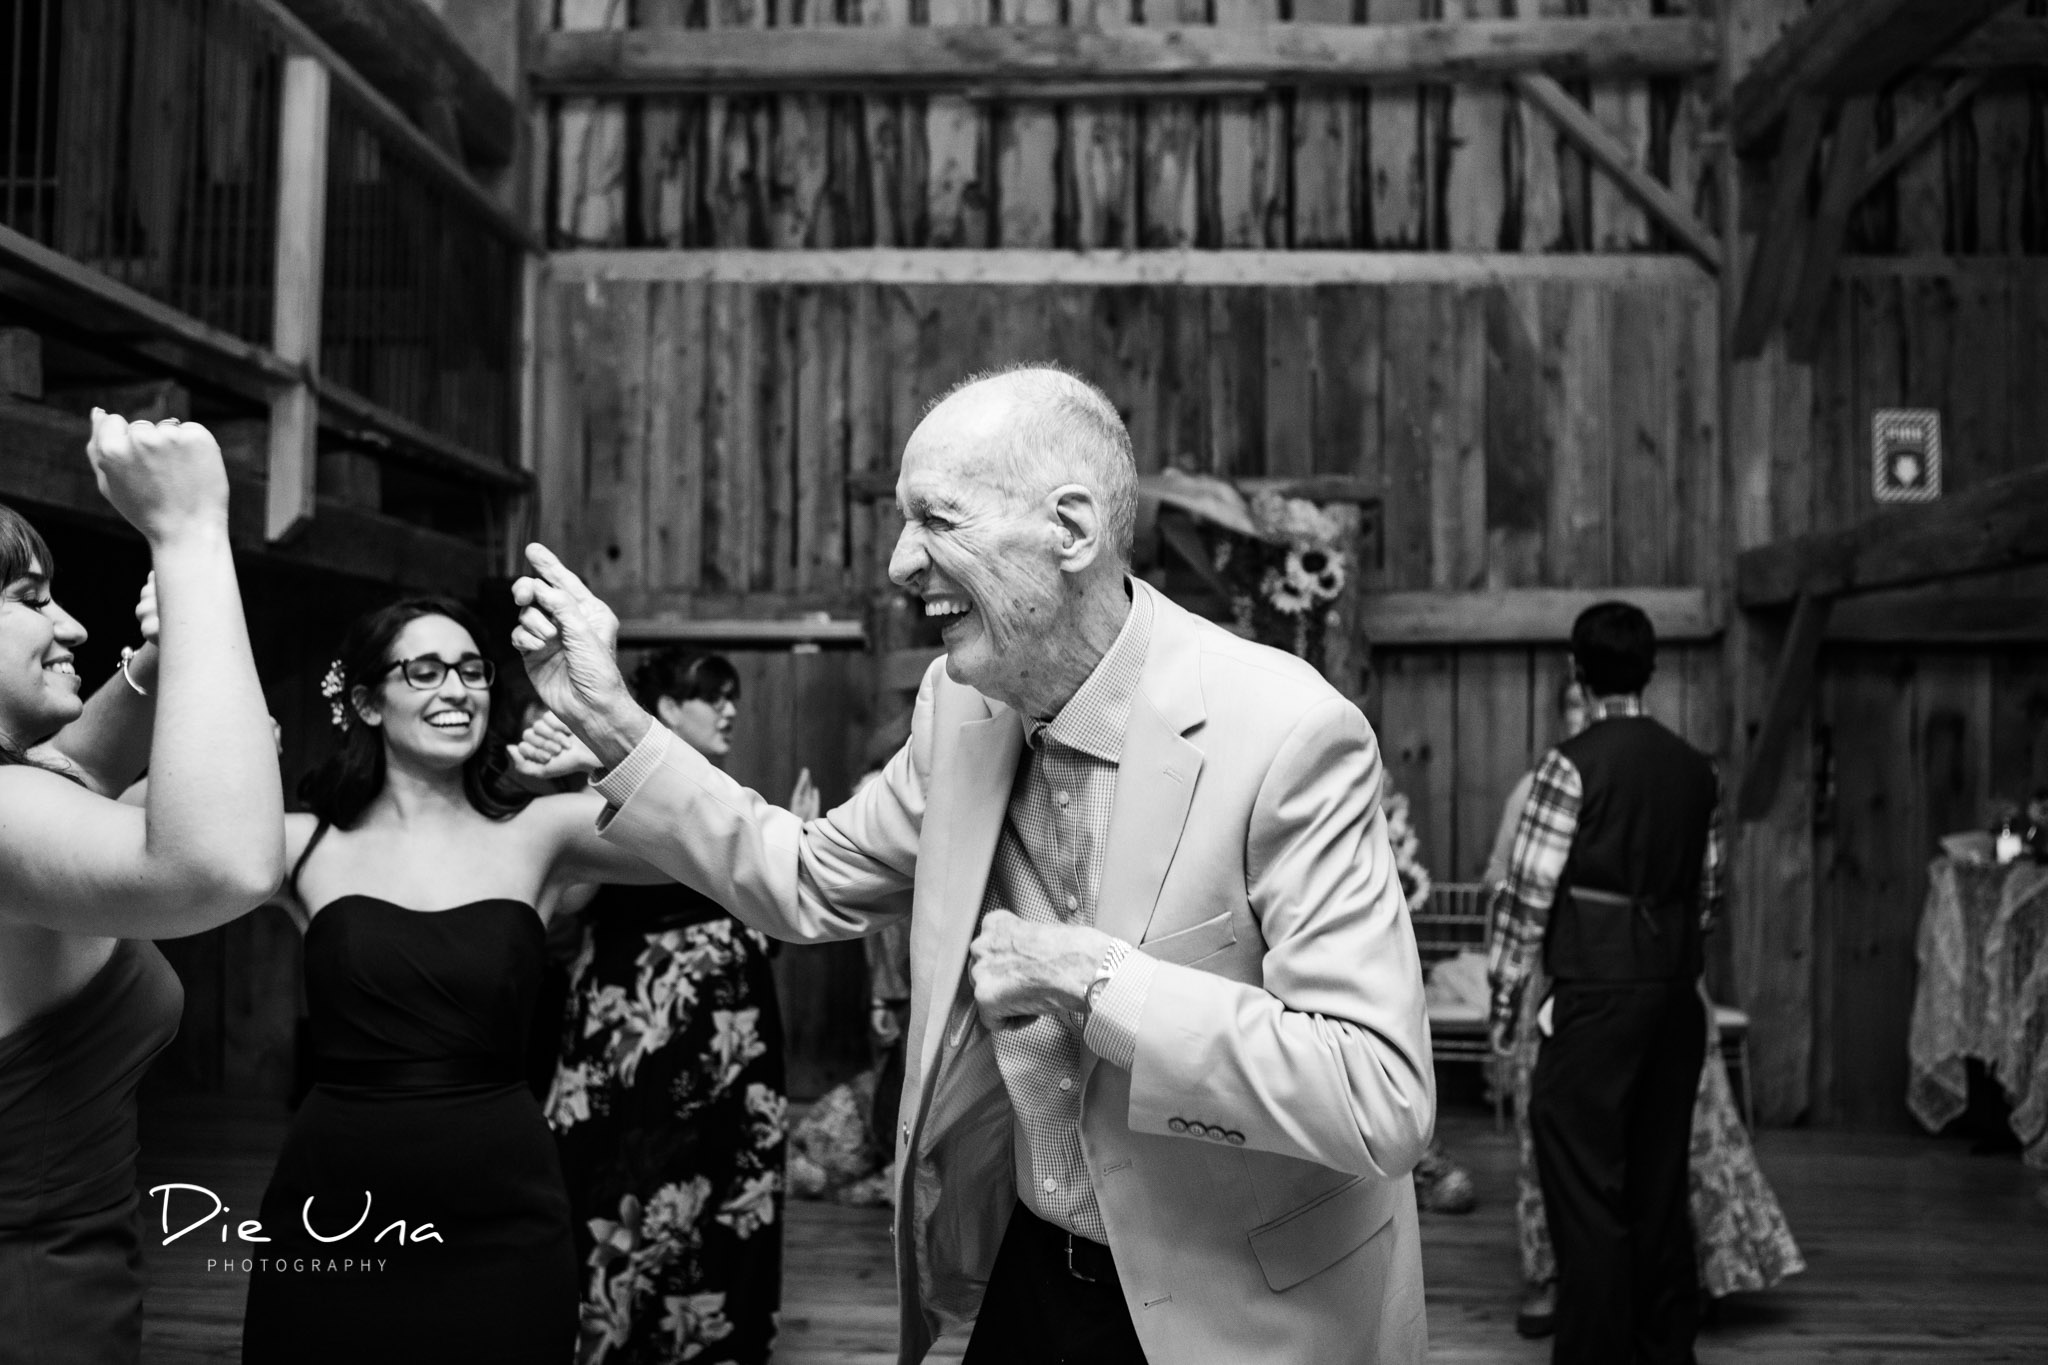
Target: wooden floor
column 1916, row 1250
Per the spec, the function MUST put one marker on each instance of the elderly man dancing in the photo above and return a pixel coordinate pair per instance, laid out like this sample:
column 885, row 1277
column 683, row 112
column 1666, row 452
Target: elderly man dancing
column 1168, row 1064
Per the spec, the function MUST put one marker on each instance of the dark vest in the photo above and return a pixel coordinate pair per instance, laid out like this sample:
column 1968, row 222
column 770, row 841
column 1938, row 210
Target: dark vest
column 1627, row 906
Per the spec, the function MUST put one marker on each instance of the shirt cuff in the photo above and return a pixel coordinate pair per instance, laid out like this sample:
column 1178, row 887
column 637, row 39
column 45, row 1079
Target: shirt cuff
column 631, row 773
column 1112, row 1032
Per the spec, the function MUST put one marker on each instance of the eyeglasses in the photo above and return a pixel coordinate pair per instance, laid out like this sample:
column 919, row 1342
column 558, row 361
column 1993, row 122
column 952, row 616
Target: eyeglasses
column 427, row 672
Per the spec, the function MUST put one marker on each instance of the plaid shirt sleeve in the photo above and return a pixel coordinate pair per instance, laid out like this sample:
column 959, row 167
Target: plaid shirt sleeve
column 1713, row 868
column 1542, row 844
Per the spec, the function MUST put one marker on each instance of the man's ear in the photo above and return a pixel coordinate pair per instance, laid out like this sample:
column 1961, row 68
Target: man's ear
column 1080, row 530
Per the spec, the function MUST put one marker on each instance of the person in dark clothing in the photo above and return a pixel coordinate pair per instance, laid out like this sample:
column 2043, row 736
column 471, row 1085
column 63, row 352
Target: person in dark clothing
column 1616, row 878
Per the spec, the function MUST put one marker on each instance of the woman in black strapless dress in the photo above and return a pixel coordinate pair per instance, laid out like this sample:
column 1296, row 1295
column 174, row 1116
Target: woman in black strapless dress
column 438, row 1226
column 84, row 1003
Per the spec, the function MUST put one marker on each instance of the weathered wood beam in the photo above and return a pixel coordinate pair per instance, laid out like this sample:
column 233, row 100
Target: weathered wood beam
column 45, row 469
column 1848, row 155
column 1982, row 610
column 1041, row 268
column 406, row 50
column 1906, row 142
column 1576, row 121
column 2005, row 42
column 646, row 61
column 1518, row 616
column 2000, row 524
column 1791, row 690
column 1846, row 47
column 1781, row 247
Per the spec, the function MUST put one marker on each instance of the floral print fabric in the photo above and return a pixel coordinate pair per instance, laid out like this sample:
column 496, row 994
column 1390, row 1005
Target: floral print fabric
column 1739, row 1232
column 670, row 1113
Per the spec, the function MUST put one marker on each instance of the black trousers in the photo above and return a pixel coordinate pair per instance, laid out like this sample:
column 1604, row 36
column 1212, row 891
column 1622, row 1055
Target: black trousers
column 1610, row 1108
column 1052, row 1303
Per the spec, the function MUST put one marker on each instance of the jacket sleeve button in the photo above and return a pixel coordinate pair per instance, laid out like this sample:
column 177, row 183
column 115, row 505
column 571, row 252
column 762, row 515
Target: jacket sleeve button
column 1234, row 1138
column 1176, row 1125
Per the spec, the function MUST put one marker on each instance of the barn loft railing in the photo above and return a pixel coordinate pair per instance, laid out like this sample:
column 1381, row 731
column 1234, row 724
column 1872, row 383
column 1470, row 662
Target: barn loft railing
column 208, row 183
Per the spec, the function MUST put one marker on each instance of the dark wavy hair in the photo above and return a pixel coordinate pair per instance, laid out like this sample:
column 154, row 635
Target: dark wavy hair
column 342, row 787
column 1614, row 649
column 684, row 675
column 22, row 551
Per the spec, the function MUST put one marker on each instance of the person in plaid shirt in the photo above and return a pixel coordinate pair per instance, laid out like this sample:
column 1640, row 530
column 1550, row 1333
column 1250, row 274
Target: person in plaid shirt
column 1616, row 878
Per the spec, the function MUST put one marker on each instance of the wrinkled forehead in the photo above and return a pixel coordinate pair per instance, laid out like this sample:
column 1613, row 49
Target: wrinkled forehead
column 945, row 469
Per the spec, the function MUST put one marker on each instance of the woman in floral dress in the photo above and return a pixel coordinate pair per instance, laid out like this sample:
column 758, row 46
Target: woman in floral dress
column 668, row 1103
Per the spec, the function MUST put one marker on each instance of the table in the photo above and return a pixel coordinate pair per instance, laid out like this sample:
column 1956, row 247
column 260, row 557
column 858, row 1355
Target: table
column 1983, row 993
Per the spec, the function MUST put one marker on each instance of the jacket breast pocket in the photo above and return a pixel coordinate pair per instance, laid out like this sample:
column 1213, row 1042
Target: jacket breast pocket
column 1316, row 1236
column 1190, row 945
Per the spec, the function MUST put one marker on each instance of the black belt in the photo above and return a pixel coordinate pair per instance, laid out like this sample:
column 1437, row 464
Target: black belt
column 1083, row 1258
column 432, row 1073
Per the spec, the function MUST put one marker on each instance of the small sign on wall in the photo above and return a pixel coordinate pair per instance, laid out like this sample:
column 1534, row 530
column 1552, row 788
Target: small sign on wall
column 1905, row 454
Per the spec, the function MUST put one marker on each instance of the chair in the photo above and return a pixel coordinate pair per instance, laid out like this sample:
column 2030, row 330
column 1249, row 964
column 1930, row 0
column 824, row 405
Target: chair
column 1734, row 1034
column 1453, row 921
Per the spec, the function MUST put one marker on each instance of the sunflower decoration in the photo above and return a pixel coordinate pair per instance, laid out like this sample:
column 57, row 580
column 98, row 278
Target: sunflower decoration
column 1288, row 576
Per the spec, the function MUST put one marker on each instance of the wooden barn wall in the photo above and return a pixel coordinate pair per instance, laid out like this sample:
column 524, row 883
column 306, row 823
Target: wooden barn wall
column 1421, row 167
column 1906, row 743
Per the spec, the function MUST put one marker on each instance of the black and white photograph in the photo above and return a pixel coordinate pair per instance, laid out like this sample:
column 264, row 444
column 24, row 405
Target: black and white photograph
column 1023, row 682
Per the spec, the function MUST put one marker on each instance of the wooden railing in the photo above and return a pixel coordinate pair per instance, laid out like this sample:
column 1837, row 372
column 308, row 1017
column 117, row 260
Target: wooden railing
column 209, row 172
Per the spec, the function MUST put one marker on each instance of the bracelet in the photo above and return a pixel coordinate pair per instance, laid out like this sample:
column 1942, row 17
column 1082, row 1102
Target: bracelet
column 128, row 653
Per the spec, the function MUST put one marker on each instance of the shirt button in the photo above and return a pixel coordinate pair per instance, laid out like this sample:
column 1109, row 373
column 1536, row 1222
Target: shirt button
column 1073, row 902
column 1051, row 1186
column 1066, row 1082
column 1059, row 798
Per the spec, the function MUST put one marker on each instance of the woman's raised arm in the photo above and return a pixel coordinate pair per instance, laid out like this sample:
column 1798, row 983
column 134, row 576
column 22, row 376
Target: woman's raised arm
column 208, row 845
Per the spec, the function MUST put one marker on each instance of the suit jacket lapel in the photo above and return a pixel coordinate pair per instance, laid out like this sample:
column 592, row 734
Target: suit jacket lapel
column 971, row 811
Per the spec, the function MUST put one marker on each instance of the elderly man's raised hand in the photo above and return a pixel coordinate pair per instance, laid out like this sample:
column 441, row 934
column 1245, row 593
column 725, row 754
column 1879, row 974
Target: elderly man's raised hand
column 167, row 479
column 569, row 641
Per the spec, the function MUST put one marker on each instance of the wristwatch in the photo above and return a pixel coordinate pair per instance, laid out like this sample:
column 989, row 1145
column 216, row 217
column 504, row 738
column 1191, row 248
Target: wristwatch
column 1112, row 958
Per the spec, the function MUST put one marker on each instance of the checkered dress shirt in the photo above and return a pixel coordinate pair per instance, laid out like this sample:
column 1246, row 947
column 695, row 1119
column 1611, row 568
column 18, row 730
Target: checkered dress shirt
column 1543, row 843
column 1047, row 869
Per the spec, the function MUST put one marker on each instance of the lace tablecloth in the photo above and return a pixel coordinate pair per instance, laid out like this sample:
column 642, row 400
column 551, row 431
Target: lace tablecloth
column 1983, row 993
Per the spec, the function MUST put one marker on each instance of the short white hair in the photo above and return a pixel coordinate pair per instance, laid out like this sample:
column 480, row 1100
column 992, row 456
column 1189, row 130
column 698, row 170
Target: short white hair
column 1067, row 431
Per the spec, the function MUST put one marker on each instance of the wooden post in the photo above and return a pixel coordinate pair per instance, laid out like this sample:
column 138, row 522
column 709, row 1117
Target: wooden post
column 295, row 331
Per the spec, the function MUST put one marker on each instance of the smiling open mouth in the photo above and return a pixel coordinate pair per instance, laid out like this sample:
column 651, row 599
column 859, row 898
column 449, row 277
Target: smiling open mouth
column 948, row 611
column 450, row 721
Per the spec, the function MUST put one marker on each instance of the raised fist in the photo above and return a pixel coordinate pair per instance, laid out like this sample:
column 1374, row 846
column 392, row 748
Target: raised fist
column 167, row 479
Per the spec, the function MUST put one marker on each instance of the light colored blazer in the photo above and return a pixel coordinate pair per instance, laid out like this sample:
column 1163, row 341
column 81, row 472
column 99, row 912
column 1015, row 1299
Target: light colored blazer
column 1252, row 1166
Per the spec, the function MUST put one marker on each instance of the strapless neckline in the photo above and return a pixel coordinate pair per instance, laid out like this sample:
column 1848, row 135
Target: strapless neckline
column 359, row 898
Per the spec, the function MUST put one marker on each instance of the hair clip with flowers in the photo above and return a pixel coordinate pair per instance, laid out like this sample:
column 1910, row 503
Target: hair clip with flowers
column 331, row 685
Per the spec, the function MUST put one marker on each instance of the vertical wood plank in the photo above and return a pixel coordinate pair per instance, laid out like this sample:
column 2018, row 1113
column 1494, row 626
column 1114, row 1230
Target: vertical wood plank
column 1325, row 147
column 1248, row 155
column 2003, row 117
column 1701, row 533
column 1977, row 420
column 1461, row 472
column 1027, row 152
column 1102, row 147
column 1400, row 176
column 2018, row 764
column 613, row 386
column 1415, row 692
column 1535, row 172
column 1920, row 188
column 299, row 275
column 1519, row 451
column 735, row 141
column 1348, row 330
column 1476, row 183
column 868, row 434
column 1172, row 145
column 1493, row 723
column 1409, row 408
column 799, row 150
column 730, row 441
column 956, row 143
column 1292, row 354
column 590, row 147
column 893, row 128
column 1645, row 435
column 677, row 354
column 1578, row 325
column 671, row 148
column 774, row 564
column 820, row 452
column 1622, row 104
column 1182, row 426
column 1237, row 380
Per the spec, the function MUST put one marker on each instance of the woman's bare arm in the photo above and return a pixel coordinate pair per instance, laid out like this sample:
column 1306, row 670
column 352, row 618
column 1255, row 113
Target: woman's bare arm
column 208, row 844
